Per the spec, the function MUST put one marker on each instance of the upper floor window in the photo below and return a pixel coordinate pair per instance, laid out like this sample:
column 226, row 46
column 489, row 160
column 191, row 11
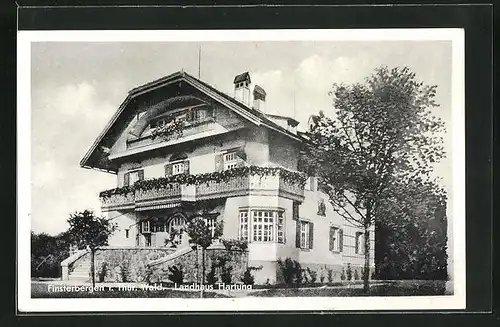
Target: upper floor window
column 321, row 208
column 230, row 160
column 265, row 226
column 178, row 168
column 145, row 226
column 133, row 176
column 201, row 114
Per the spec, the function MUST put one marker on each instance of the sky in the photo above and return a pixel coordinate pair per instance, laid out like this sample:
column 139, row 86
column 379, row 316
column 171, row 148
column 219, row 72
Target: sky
column 77, row 86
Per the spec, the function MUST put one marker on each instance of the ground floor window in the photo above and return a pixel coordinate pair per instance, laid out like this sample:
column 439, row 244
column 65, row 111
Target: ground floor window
column 265, row 225
column 305, row 234
column 335, row 239
column 360, row 243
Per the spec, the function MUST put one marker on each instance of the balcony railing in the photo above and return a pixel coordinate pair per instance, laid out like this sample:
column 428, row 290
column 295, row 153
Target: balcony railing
column 167, row 194
column 118, row 201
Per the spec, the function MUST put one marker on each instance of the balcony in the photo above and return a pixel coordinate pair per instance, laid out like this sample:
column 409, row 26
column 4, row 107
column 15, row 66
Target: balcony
column 117, row 202
column 165, row 193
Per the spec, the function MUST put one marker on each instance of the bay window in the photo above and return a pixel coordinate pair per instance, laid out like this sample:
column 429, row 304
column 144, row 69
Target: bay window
column 262, row 225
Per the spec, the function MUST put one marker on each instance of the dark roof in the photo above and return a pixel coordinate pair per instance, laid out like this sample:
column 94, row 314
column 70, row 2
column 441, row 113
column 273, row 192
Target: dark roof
column 242, row 78
column 259, row 90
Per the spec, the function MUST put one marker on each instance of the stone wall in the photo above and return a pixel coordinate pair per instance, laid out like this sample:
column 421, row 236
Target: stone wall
column 125, row 264
column 237, row 260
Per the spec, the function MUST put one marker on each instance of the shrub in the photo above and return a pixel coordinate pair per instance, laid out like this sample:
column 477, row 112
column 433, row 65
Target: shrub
column 176, row 275
column 124, row 271
column 103, row 272
column 292, row 271
column 342, row 275
column 356, row 275
column 211, row 276
column 330, row 275
column 313, row 274
column 322, row 278
column 374, row 275
column 238, row 245
column 226, row 274
column 349, row 272
column 248, row 278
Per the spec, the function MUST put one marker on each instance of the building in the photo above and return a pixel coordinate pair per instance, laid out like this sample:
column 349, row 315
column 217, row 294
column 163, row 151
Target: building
column 182, row 149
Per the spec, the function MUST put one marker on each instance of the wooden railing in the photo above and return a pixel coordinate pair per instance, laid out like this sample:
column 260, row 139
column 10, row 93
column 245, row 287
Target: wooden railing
column 273, row 185
column 118, row 201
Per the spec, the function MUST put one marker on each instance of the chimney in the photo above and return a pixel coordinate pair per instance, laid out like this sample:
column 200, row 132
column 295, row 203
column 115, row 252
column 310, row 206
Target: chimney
column 242, row 88
column 259, row 98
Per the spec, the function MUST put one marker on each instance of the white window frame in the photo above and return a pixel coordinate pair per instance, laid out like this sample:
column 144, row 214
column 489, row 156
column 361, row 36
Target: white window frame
column 212, row 224
column 304, row 234
column 145, row 229
column 230, row 160
column 244, row 225
column 133, row 174
column 177, row 167
column 336, row 238
column 262, row 225
column 359, row 237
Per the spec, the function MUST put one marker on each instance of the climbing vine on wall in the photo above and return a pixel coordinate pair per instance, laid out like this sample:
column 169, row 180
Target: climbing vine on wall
column 217, row 176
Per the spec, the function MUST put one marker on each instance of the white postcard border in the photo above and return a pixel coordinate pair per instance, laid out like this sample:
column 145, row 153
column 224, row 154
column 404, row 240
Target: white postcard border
column 27, row 304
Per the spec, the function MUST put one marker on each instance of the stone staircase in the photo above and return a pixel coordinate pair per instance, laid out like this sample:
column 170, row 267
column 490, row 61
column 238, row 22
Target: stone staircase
column 81, row 272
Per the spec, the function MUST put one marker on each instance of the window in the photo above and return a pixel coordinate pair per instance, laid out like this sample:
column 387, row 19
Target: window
column 243, row 231
column 145, row 226
column 147, row 239
column 211, row 223
column 230, row 160
column 201, row 114
column 178, row 168
column 321, row 208
column 126, row 233
column 158, row 227
column 281, row 228
column 360, row 243
column 133, row 176
column 334, row 239
column 265, row 225
column 305, row 234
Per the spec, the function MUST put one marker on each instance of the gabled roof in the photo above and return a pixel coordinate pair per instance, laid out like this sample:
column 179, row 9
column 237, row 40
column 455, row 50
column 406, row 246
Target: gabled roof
column 95, row 153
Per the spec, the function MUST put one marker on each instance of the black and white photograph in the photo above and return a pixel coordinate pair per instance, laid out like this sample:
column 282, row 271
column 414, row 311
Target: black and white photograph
column 241, row 170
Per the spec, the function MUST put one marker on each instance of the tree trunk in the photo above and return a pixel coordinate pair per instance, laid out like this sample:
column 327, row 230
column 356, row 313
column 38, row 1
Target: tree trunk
column 202, row 271
column 366, row 270
column 92, row 266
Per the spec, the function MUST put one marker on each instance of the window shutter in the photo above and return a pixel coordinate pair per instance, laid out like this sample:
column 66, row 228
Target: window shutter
column 189, row 115
column 126, row 179
column 331, row 238
column 357, row 243
column 311, row 235
column 219, row 162
column 297, row 234
column 295, row 210
column 168, row 169
column 186, row 167
column 140, row 174
column 341, row 240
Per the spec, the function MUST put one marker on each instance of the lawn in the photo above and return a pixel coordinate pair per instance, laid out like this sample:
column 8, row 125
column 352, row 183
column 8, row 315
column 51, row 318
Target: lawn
column 389, row 288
